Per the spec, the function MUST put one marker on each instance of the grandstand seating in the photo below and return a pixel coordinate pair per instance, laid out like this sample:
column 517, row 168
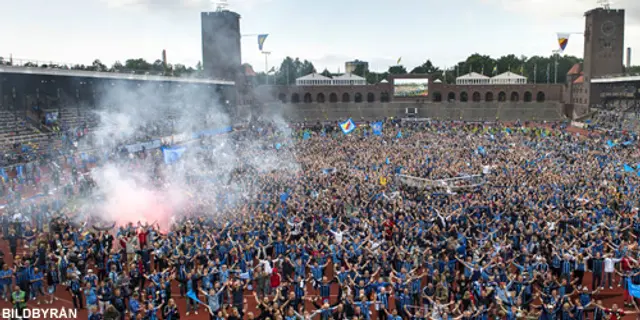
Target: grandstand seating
column 77, row 117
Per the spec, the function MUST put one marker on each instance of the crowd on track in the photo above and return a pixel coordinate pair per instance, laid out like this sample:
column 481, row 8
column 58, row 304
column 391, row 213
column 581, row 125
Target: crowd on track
column 419, row 220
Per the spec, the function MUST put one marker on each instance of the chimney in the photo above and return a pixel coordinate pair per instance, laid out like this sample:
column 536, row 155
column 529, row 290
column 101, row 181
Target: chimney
column 164, row 58
column 628, row 59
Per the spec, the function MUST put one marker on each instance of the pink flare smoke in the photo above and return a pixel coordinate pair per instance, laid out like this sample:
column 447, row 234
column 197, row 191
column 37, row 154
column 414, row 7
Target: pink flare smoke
column 140, row 205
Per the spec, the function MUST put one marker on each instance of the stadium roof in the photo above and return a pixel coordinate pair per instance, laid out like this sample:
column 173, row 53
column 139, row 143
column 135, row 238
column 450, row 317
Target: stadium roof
column 348, row 76
column 633, row 78
column 473, row 75
column 104, row 75
column 314, row 76
column 509, row 75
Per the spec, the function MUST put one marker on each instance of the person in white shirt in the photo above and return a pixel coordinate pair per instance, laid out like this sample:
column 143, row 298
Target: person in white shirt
column 609, row 270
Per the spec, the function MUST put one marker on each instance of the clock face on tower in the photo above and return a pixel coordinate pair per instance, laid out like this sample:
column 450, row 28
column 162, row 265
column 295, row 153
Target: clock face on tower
column 608, row 28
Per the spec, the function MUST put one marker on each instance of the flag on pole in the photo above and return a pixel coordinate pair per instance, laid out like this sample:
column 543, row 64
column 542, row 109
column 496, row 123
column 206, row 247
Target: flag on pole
column 563, row 40
column 495, row 69
column 261, row 39
column 399, row 60
column 348, row 126
column 535, row 72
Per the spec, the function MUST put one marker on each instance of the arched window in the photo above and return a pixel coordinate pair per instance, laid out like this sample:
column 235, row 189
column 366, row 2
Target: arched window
column 371, row 97
column 282, row 97
column 320, row 98
column 384, row 97
column 333, row 97
column 515, row 97
column 357, row 97
column 502, row 96
column 464, row 97
column 488, row 96
column 437, row 97
column 346, row 97
column 540, row 97
column 527, row 96
column 451, row 96
column 476, row 97
column 307, row 98
column 295, row 98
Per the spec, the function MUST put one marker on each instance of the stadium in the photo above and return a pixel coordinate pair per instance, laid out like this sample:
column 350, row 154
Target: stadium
column 144, row 195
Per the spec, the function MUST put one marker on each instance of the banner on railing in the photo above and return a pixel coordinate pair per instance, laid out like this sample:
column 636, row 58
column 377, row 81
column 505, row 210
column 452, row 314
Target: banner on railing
column 462, row 182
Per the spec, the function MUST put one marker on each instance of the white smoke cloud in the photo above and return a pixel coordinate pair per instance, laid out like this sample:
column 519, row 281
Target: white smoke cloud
column 208, row 174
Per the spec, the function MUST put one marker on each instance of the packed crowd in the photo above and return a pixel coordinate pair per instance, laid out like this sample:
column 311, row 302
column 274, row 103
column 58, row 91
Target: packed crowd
column 328, row 231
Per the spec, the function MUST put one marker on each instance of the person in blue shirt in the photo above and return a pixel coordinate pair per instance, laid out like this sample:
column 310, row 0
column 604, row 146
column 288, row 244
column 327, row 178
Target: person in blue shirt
column 37, row 290
column 134, row 305
column 90, row 296
column 6, row 279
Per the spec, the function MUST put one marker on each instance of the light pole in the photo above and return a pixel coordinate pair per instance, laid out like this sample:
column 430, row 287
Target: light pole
column 266, row 64
column 556, row 53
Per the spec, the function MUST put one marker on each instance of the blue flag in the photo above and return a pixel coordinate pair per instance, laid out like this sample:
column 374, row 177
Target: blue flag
column 3, row 175
column 172, row 155
column 306, row 135
column 482, row 151
column 278, row 146
column 20, row 171
column 610, row 144
column 628, row 168
column 399, row 135
column 376, row 127
column 634, row 289
column 192, row 295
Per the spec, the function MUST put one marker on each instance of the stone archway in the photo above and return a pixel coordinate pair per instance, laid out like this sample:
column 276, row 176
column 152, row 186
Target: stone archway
column 528, row 96
column 437, row 97
column 451, row 96
column 464, row 97
column 346, row 97
column 357, row 97
column 295, row 98
column 384, row 97
column 488, row 97
column 540, row 97
column 333, row 97
column 476, row 97
column 320, row 97
column 371, row 97
column 307, row 98
column 502, row 96
column 515, row 97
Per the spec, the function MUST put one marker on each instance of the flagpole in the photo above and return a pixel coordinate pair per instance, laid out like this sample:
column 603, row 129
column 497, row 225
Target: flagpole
column 266, row 64
column 555, row 66
column 535, row 73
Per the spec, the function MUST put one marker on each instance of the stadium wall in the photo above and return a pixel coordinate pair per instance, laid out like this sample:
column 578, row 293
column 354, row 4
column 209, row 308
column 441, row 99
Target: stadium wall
column 479, row 111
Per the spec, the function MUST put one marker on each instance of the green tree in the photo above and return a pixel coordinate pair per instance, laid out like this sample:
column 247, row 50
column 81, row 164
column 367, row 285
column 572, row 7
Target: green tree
column 426, row 68
column 98, row 66
column 397, row 70
column 360, row 70
column 326, row 73
column 634, row 69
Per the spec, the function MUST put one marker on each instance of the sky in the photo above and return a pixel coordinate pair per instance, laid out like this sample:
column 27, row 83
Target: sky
column 328, row 33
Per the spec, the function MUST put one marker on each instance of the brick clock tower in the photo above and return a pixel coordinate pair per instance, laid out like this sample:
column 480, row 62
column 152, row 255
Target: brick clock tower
column 603, row 45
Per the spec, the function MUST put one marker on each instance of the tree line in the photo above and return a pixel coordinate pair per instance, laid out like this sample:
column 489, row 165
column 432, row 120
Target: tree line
column 538, row 69
column 131, row 66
